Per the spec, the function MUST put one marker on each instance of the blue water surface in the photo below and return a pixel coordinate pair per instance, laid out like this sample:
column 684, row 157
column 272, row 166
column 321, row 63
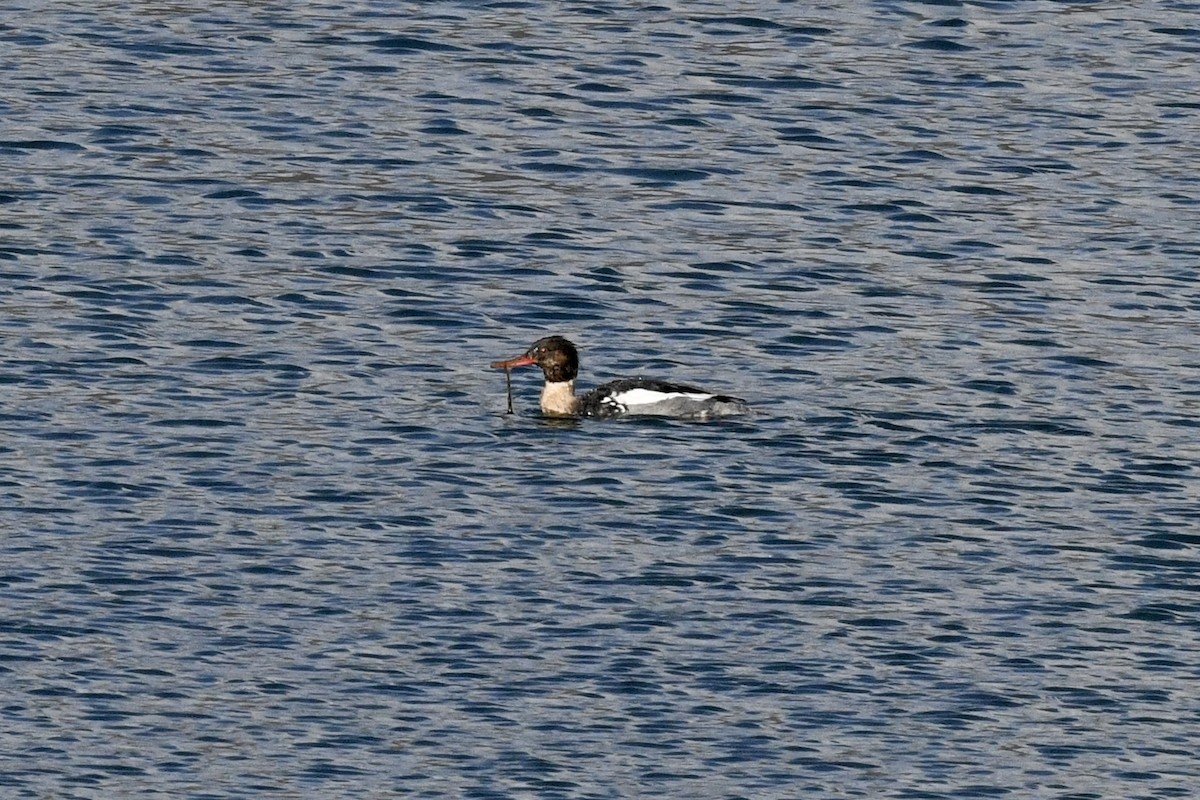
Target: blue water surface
column 266, row 529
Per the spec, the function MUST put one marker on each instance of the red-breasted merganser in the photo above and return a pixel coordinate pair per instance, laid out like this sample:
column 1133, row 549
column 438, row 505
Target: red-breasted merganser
column 559, row 361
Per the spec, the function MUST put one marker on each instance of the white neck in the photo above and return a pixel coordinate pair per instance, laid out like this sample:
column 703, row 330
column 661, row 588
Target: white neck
column 558, row 399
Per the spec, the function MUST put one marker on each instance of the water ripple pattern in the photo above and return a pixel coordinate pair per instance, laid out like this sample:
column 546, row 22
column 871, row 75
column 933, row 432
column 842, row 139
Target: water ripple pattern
column 267, row 531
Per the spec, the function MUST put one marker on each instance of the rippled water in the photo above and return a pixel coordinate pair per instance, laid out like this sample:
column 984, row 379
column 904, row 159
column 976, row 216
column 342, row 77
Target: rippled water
column 267, row 530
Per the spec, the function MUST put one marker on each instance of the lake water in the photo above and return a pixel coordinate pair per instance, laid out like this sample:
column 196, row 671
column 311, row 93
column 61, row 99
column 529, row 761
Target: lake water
column 266, row 530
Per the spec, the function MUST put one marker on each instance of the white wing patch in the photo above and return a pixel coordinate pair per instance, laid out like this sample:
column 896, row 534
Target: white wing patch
column 650, row 397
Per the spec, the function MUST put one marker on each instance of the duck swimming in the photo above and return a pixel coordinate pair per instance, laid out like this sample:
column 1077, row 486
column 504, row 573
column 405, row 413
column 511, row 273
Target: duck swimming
column 559, row 361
